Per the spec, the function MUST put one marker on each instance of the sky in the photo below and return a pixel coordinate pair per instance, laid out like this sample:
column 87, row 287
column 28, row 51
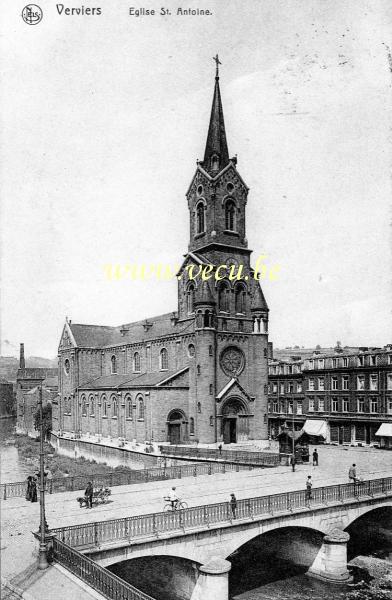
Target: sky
column 104, row 117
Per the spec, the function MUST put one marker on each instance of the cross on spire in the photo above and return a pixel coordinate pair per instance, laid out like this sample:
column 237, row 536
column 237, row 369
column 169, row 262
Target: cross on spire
column 217, row 62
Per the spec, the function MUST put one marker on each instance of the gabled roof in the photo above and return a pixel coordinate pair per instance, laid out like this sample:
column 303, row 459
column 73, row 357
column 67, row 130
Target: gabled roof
column 101, row 336
column 232, row 383
column 137, row 380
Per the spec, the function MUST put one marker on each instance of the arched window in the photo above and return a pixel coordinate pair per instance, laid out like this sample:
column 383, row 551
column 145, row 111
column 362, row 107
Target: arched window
column 129, row 408
column 200, row 220
column 223, row 297
column 210, row 350
column 191, row 298
column 114, row 364
column 207, row 319
column 163, row 360
column 199, row 407
column 239, row 295
column 192, row 426
column 84, row 406
column 230, row 215
column 114, row 407
column 105, row 406
column 214, row 162
column 141, row 409
column 92, row 405
column 136, row 362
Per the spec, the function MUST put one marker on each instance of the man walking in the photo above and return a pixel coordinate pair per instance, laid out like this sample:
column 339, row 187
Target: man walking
column 315, row 458
column 89, row 495
column 308, row 493
column 233, row 505
column 292, row 462
column 352, row 473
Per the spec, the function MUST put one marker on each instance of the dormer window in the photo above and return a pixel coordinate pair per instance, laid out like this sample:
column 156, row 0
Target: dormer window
column 230, row 215
column 200, row 218
column 214, row 162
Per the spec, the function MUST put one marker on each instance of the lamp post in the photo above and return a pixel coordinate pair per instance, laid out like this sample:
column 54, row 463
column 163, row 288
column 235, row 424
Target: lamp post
column 42, row 554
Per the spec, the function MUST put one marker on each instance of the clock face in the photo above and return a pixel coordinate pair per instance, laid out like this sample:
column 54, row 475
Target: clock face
column 232, row 361
column 232, row 261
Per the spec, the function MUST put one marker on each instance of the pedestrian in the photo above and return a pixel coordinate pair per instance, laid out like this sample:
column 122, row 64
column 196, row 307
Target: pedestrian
column 352, row 473
column 308, row 493
column 33, row 496
column 220, row 449
column 29, row 488
column 233, row 505
column 292, row 462
column 89, row 495
column 315, row 458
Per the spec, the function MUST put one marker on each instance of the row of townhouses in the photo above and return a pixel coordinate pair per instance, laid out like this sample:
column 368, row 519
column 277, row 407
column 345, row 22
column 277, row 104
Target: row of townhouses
column 343, row 396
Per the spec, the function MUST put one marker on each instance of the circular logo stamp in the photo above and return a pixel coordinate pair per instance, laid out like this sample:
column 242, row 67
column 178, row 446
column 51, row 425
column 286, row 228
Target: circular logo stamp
column 32, row 14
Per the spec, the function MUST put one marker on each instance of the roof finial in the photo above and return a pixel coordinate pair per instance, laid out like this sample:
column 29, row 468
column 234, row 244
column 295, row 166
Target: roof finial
column 218, row 62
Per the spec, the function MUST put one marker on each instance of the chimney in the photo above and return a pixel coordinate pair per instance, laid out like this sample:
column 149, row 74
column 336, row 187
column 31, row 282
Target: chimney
column 22, row 364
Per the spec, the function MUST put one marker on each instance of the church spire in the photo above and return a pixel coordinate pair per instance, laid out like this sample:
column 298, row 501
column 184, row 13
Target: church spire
column 216, row 155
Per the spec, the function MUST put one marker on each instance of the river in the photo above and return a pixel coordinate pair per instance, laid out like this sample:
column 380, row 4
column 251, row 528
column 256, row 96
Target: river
column 11, row 467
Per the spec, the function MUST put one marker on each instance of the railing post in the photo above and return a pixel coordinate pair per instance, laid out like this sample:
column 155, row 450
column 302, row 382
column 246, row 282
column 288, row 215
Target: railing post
column 146, row 475
column 224, row 467
column 5, row 491
column 51, row 487
column 209, row 469
column 206, row 516
column 195, row 471
column 96, row 541
column 270, row 506
column 340, row 493
column 383, row 485
column 111, row 479
column 288, row 502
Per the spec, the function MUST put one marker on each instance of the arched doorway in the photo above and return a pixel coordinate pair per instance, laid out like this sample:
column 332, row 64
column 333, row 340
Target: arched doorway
column 176, row 427
column 235, row 424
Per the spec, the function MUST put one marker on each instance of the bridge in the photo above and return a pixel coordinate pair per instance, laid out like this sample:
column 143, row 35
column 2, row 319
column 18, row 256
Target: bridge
column 208, row 534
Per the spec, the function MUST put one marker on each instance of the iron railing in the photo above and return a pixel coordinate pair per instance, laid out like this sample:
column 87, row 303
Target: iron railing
column 100, row 579
column 115, row 478
column 129, row 529
column 240, row 456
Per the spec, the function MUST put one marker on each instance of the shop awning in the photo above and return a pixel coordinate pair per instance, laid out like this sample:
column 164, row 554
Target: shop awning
column 384, row 430
column 315, row 427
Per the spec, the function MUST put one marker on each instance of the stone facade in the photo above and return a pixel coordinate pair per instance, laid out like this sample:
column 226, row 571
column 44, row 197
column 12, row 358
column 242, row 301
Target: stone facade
column 7, row 399
column 349, row 389
column 195, row 375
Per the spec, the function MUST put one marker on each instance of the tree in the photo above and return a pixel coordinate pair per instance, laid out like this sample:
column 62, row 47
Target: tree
column 46, row 420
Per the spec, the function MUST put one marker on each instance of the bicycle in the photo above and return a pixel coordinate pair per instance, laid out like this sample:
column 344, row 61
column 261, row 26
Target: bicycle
column 179, row 505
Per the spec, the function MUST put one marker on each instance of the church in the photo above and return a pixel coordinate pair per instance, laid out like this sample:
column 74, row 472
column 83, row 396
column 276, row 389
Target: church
column 196, row 375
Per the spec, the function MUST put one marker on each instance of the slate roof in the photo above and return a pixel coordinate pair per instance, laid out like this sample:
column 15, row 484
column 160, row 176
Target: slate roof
column 137, row 380
column 101, row 336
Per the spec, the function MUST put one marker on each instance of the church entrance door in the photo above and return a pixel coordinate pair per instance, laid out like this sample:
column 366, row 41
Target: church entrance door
column 174, row 433
column 230, row 430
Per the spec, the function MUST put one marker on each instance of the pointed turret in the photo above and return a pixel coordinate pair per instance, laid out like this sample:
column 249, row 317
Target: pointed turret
column 204, row 294
column 258, row 301
column 216, row 155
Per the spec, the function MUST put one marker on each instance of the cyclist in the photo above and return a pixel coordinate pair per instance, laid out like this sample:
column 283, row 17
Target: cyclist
column 173, row 498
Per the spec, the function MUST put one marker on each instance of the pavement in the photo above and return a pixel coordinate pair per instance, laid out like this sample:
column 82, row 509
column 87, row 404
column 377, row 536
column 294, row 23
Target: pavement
column 19, row 517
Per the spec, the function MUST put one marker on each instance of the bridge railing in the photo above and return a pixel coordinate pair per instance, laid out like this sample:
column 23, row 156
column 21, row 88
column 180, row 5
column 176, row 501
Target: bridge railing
column 100, row 579
column 242, row 456
column 141, row 526
column 115, row 478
